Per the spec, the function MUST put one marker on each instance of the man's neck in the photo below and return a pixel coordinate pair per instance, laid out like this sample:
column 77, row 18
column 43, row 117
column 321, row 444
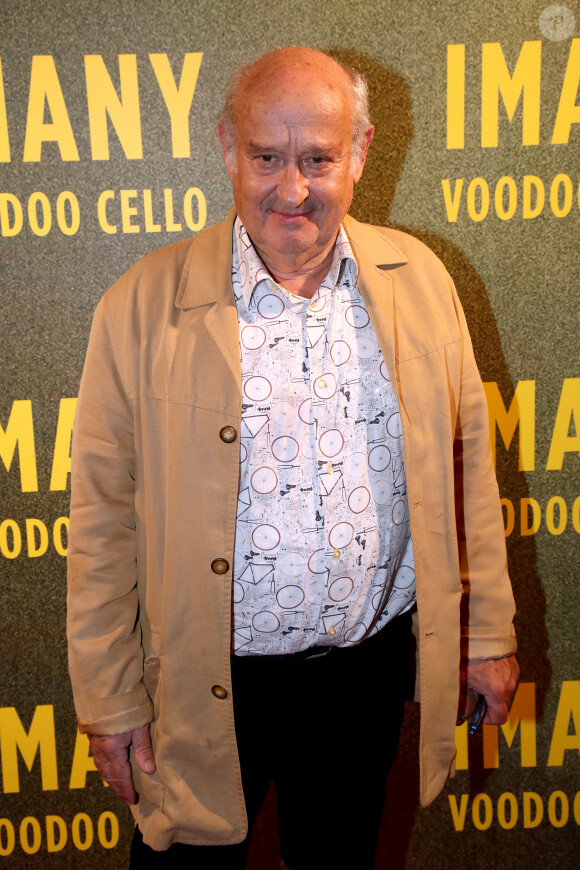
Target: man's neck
column 301, row 276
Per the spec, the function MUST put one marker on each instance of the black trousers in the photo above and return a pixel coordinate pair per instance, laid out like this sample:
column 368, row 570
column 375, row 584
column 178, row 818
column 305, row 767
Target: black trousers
column 325, row 730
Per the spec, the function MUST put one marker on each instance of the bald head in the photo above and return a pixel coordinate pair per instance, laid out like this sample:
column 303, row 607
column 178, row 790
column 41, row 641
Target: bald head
column 298, row 71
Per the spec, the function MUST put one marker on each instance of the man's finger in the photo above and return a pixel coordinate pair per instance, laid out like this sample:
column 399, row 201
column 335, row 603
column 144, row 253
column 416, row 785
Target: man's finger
column 111, row 755
column 143, row 749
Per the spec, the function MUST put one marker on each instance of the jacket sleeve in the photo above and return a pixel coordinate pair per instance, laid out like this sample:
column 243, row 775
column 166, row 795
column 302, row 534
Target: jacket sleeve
column 105, row 653
column 487, row 605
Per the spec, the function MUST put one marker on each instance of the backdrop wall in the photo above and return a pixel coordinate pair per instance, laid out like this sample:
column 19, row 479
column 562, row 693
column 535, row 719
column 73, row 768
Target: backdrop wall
column 108, row 150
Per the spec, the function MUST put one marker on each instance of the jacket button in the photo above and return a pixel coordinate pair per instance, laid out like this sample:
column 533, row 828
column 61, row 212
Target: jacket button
column 219, row 692
column 228, row 434
column 220, row 566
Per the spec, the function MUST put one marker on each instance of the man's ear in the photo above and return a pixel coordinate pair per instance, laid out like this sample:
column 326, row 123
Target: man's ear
column 229, row 155
column 368, row 138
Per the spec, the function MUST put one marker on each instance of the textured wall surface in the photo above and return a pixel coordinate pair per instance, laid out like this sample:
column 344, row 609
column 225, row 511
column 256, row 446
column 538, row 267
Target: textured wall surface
column 448, row 165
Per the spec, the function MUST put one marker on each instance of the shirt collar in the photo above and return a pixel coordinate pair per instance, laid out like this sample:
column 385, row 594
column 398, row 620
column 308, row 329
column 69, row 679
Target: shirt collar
column 343, row 269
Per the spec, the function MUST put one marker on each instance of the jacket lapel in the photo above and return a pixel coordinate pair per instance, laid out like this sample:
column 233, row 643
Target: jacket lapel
column 377, row 259
column 207, row 281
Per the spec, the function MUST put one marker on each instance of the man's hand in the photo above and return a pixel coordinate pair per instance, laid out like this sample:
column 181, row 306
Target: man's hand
column 111, row 756
column 497, row 680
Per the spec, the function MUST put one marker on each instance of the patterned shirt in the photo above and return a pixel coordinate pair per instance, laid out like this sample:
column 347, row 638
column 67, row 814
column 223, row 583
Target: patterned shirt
column 323, row 547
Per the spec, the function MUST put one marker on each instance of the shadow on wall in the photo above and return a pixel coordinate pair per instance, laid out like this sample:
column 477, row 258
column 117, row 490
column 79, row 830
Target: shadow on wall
column 390, row 105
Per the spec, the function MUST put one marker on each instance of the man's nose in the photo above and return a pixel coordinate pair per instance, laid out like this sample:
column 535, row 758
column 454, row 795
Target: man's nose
column 292, row 186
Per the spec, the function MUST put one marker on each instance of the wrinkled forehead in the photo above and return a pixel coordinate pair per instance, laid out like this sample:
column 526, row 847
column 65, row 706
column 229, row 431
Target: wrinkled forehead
column 294, row 93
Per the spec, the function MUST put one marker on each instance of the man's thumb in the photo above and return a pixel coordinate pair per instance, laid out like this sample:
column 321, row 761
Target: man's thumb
column 143, row 749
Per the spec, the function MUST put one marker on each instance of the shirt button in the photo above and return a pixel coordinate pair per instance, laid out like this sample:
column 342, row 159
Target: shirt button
column 220, row 566
column 228, row 434
column 219, row 692
column 332, row 630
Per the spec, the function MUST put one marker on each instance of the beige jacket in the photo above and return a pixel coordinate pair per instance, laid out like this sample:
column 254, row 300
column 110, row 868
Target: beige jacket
column 154, row 495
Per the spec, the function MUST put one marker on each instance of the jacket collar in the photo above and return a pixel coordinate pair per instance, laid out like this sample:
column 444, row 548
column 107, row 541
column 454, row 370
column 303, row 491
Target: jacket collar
column 371, row 245
column 206, row 276
column 207, row 273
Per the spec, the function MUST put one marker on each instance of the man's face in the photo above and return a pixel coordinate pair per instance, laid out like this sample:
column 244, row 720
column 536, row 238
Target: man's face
column 293, row 175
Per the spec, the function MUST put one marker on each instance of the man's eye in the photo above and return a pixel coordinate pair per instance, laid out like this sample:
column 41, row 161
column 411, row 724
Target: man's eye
column 319, row 160
column 266, row 158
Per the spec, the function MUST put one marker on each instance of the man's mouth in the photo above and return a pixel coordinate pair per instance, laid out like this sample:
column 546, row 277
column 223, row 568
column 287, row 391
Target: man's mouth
column 290, row 215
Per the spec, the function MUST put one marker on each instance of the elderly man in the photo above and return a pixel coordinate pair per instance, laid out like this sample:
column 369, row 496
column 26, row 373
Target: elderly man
column 280, row 454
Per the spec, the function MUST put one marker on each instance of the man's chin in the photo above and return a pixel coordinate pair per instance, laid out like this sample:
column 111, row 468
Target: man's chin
column 292, row 240
column 293, row 247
